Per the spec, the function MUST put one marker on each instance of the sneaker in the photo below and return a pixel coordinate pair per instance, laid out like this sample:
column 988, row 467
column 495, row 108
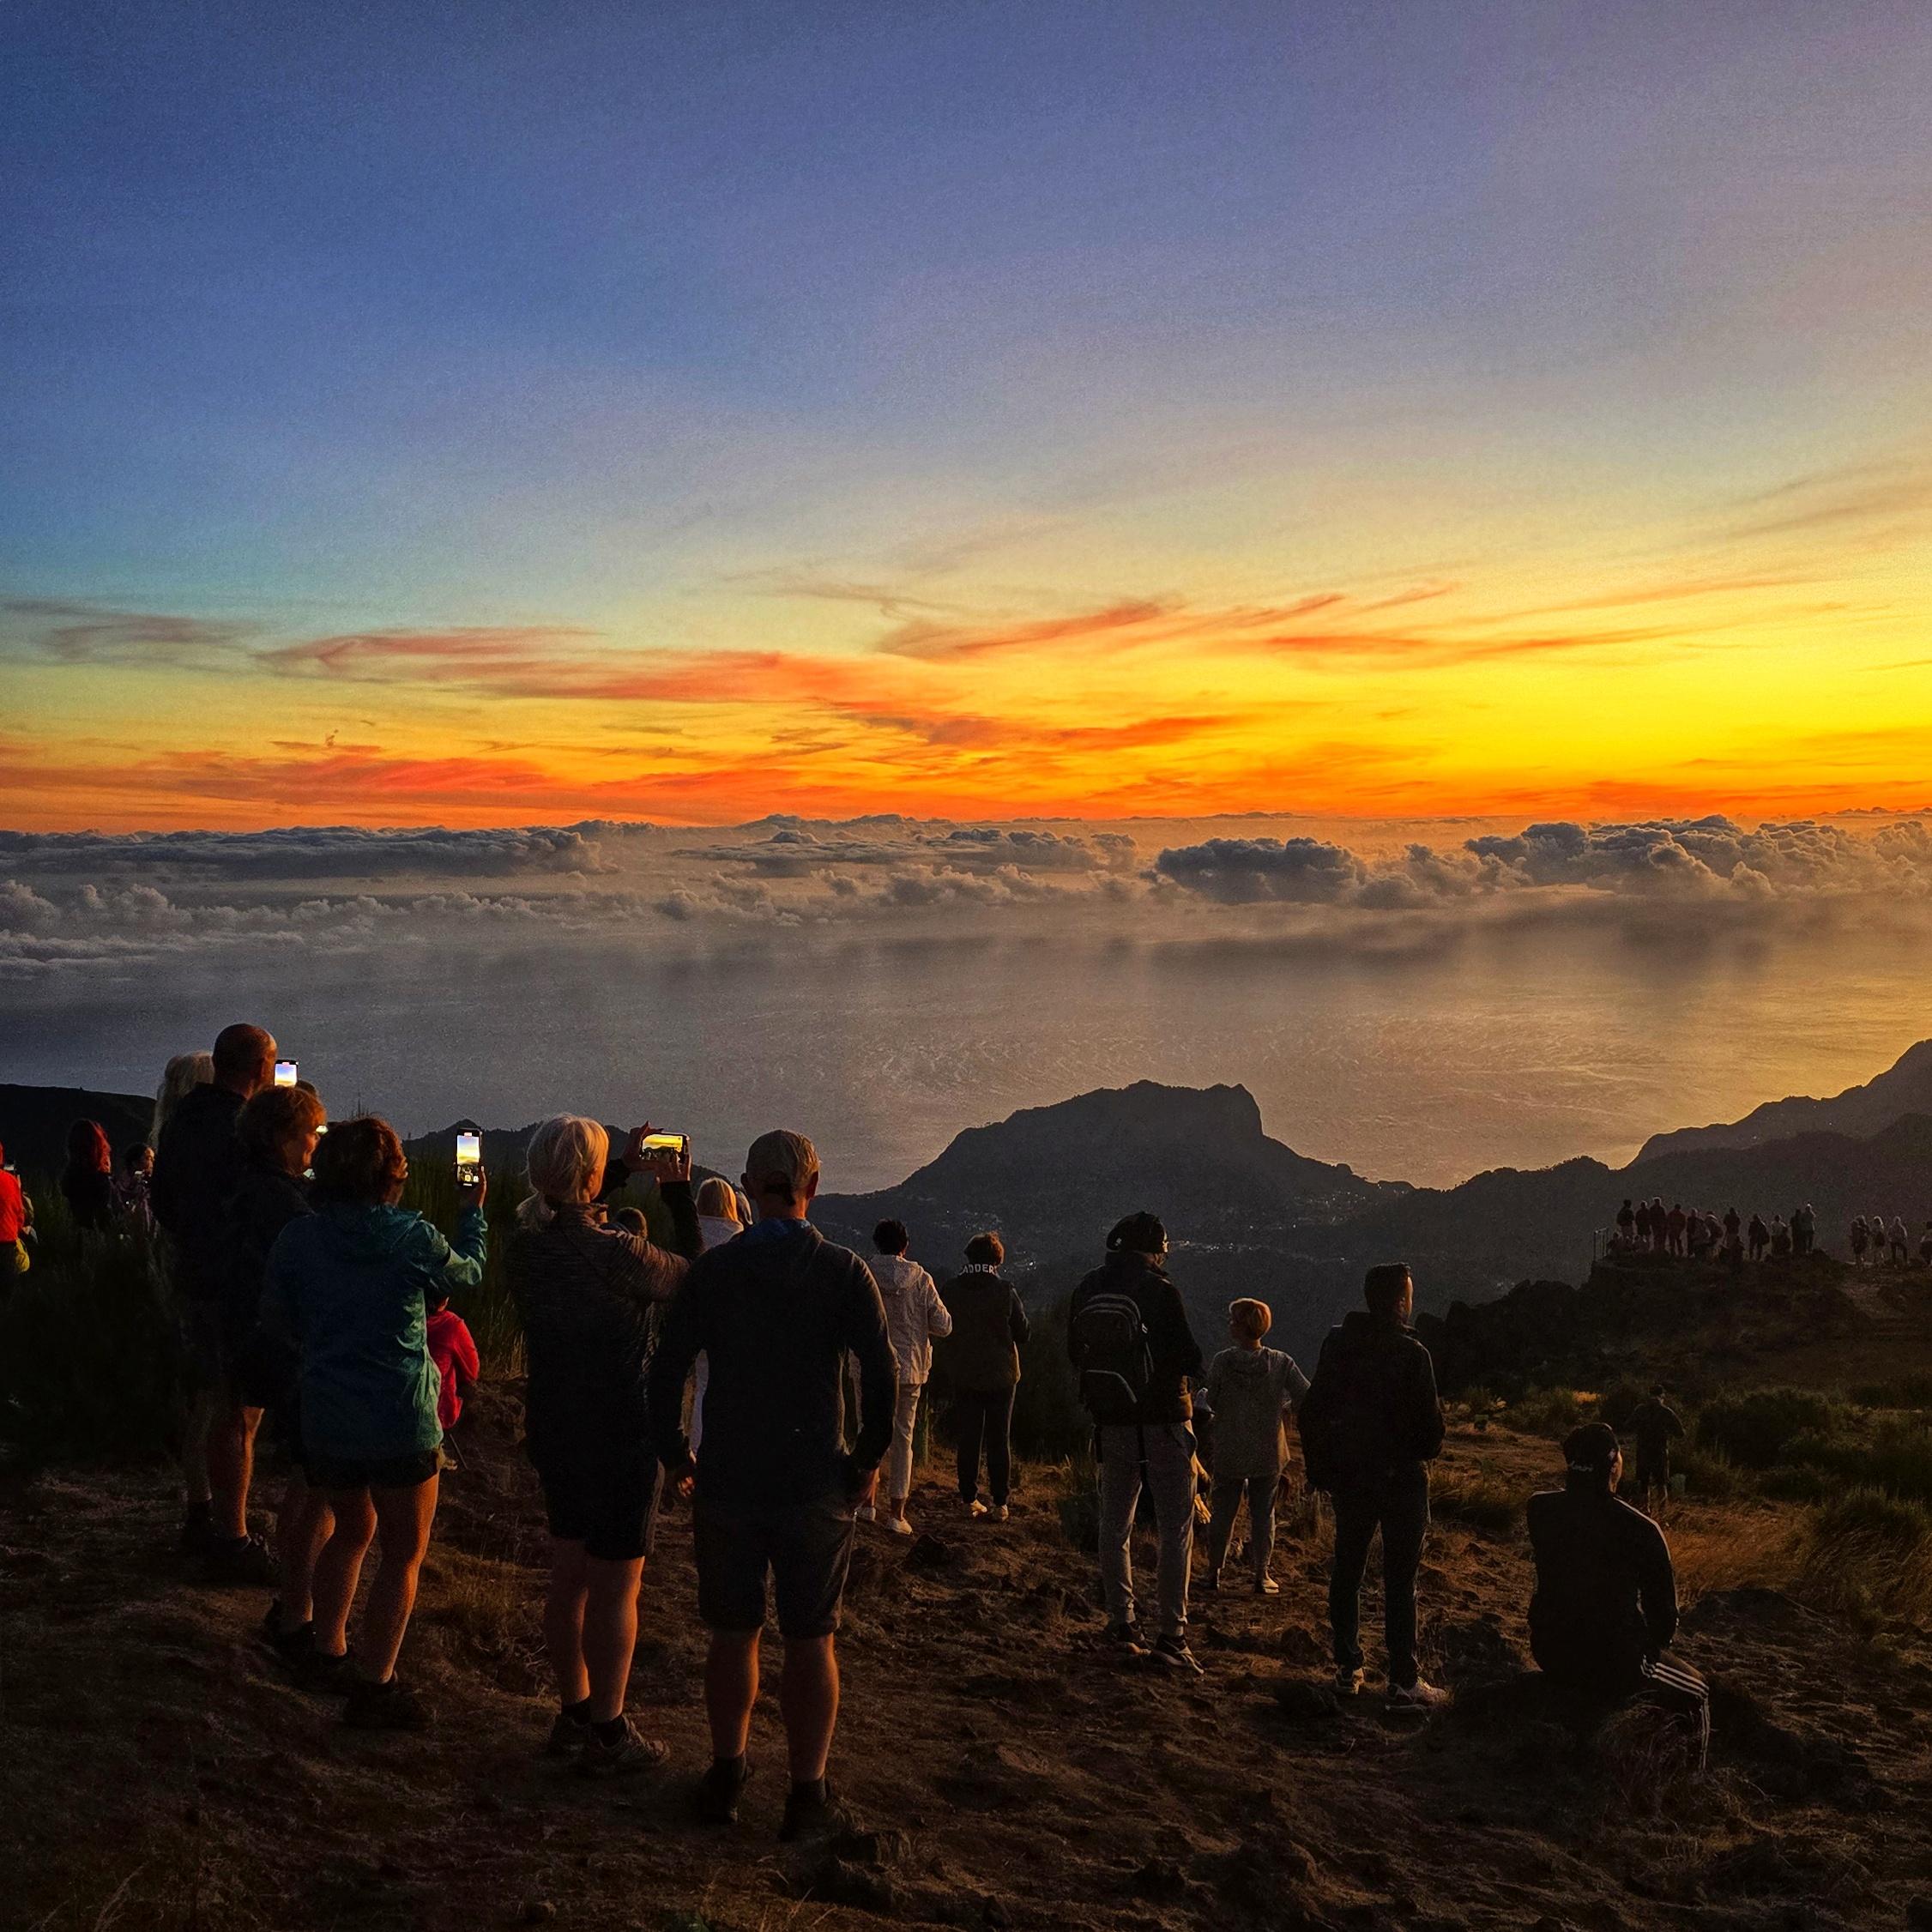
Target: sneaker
column 567, row 1736
column 1001, row 1513
column 622, row 1757
column 389, row 1705
column 1347, row 1681
column 897, row 1526
column 1127, row 1638
column 293, row 1647
column 1421, row 1695
column 807, row 1815
column 237, row 1563
column 975, row 1509
column 714, row 1798
column 865, row 1513
column 1173, row 1651
column 1265, row 1585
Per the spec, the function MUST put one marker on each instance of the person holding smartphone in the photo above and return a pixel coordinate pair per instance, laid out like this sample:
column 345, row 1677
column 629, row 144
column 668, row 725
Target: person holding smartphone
column 587, row 1290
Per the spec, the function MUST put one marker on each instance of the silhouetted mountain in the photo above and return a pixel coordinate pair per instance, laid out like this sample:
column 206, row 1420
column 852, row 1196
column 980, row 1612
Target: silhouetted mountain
column 1903, row 1088
column 34, row 1120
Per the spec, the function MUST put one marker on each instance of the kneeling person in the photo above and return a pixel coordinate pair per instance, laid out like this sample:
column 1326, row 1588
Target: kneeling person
column 1605, row 1605
column 776, row 1312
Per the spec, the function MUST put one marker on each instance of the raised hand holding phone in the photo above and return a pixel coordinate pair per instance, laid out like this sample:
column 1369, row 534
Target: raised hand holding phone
column 471, row 1179
column 667, row 1156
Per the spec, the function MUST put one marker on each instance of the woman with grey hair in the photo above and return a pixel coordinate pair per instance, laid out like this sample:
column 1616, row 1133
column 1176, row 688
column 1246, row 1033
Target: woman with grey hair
column 587, row 1292
column 179, row 1078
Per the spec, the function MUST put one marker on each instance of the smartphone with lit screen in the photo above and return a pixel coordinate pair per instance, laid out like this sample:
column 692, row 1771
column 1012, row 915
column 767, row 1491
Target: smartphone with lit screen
column 285, row 1072
column 469, row 1159
column 677, row 1146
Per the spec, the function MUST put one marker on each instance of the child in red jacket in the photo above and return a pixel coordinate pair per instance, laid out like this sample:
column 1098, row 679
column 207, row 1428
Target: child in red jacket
column 453, row 1349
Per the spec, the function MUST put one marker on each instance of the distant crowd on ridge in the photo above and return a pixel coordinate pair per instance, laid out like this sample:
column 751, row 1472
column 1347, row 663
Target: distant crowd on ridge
column 1699, row 1235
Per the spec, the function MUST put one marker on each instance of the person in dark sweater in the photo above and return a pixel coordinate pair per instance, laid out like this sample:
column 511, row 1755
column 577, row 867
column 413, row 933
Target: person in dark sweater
column 1605, row 1607
column 1371, row 1424
column 982, row 1361
column 197, row 1167
column 588, row 1291
column 1143, row 1436
column 276, row 1131
column 87, row 1182
column 777, row 1312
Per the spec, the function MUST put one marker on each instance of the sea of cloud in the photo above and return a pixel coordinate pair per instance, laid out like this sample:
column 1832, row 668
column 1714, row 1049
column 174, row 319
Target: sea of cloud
column 72, row 902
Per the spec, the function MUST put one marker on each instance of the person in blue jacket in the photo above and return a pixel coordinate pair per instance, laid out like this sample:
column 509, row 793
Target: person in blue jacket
column 346, row 1285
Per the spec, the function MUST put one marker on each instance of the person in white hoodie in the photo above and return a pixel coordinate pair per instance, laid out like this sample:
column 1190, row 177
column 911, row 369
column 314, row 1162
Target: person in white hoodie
column 915, row 1318
column 718, row 1221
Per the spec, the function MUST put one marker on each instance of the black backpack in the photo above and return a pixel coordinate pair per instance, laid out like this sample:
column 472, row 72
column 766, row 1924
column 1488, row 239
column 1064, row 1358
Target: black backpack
column 1111, row 1348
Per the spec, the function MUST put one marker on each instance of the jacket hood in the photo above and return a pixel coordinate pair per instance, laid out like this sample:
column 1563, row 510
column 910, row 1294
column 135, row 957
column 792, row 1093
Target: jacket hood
column 367, row 1234
column 1361, row 1328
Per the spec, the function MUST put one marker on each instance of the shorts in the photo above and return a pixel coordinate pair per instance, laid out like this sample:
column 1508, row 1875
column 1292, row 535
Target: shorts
column 609, row 1504
column 382, row 1472
column 804, row 1547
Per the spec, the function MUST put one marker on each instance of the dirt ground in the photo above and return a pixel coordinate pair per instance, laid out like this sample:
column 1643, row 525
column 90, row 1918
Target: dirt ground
column 157, row 1770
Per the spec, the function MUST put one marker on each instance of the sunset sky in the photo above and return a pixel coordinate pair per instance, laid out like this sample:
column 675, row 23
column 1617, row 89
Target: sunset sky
column 479, row 414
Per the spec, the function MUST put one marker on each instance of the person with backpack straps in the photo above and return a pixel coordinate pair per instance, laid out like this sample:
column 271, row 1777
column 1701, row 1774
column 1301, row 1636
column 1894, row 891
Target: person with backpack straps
column 1128, row 1336
column 1371, row 1425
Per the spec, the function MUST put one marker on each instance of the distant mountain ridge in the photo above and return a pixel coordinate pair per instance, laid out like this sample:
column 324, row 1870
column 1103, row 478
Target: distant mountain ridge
column 1905, row 1087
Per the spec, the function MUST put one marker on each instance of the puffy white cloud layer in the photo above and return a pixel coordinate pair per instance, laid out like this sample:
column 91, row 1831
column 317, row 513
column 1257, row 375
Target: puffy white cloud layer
column 1707, row 859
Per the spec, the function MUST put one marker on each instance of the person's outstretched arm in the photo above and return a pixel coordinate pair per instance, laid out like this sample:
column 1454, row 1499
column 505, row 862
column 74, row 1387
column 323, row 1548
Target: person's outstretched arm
column 457, row 1263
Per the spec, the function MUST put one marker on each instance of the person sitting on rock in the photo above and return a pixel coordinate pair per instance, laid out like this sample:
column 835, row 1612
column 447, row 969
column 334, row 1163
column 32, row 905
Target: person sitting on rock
column 1371, row 1425
column 1250, row 1392
column 1605, row 1606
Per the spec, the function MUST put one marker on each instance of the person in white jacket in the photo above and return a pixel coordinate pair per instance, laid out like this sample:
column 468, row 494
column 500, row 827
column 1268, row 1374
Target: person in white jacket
column 915, row 1318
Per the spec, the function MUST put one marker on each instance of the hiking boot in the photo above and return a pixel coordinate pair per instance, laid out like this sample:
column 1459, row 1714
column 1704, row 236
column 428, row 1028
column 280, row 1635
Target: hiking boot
column 1126, row 1637
column 974, row 1508
column 1171, row 1651
column 623, row 1756
column 237, row 1563
column 389, row 1705
column 1348, row 1680
column 812, row 1815
column 567, row 1736
column 1421, row 1695
column 1265, row 1585
column 714, row 1798
column 292, row 1647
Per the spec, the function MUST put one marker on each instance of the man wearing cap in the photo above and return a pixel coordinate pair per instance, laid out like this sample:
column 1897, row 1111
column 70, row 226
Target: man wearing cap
column 1605, row 1605
column 775, row 1313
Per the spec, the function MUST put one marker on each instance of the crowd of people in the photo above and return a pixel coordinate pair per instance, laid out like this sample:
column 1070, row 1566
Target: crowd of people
column 775, row 1380
column 1701, row 1234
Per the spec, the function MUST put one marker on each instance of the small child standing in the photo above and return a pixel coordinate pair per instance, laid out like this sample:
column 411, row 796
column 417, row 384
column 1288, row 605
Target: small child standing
column 453, row 1349
column 1252, row 1391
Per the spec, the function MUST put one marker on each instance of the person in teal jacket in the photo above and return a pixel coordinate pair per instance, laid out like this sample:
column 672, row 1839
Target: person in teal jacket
column 346, row 1285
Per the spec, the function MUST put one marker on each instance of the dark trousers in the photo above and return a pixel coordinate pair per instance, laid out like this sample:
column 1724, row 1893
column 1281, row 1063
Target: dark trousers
column 984, row 1416
column 1398, row 1505
column 1671, row 1688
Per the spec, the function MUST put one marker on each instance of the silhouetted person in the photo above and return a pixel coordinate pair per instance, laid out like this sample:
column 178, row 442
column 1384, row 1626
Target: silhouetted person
column 198, row 1164
column 1804, row 1229
column 1674, row 1222
column 1660, row 1224
column 1605, row 1607
column 1647, row 1233
column 1128, row 1336
column 1371, row 1424
column 1861, row 1240
column 1760, row 1237
column 1780, row 1238
column 87, row 1182
column 1899, row 1239
column 982, row 1361
column 1654, row 1425
column 777, row 1311
column 1626, row 1225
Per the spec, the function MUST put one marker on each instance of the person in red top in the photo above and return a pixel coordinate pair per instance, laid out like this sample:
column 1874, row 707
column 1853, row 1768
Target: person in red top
column 15, row 1218
column 453, row 1349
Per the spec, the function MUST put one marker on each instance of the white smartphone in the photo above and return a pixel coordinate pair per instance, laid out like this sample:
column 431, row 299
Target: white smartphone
column 469, row 1159
column 285, row 1072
